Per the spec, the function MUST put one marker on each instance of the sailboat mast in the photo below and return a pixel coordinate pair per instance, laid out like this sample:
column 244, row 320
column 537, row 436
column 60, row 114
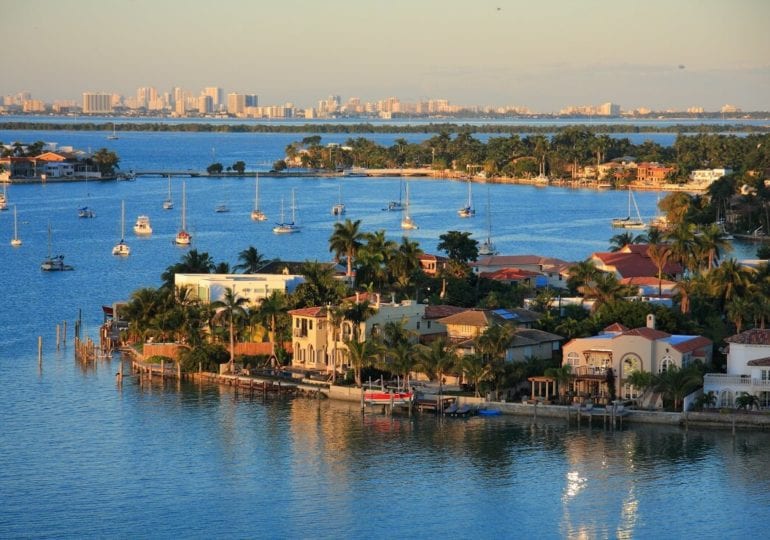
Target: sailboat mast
column 122, row 220
column 184, row 206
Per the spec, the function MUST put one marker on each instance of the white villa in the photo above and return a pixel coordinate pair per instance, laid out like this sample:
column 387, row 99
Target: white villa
column 748, row 369
column 254, row 287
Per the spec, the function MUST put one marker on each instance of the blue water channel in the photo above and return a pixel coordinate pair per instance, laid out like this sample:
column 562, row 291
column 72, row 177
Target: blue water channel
column 80, row 457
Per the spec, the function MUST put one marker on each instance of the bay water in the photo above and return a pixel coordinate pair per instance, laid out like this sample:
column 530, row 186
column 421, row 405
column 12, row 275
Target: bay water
column 82, row 457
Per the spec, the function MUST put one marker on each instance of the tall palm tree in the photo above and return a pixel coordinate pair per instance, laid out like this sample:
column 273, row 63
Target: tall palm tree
column 562, row 375
column 676, row 383
column 405, row 262
column 714, row 243
column 357, row 313
column 659, row 255
column 320, row 287
column 619, row 241
column 401, row 359
column 476, row 371
column 346, row 240
column 437, row 360
column 739, row 310
column 605, row 289
column 682, row 243
column 730, row 279
column 362, row 354
column 231, row 308
column 581, row 274
column 251, row 260
column 270, row 312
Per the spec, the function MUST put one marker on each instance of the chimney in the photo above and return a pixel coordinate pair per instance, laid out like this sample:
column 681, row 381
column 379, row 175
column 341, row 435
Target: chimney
column 356, row 297
column 378, row 300
column 651, row 321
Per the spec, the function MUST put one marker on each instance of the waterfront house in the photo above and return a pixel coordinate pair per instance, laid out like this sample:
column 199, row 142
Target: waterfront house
column 550, row 272
column 48, row 165
column 611, row 356
column 465, row 327
column 318, row 342
column 253, row 287
column 653, row 173
column 706, row 177
column 633, row 261
column 432, row 265
column 748, row 369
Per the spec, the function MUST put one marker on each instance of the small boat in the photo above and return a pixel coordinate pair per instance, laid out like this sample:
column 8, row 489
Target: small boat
column 339, row 208
column 53, row 263
column 183, row 238
column 487, row 248
column 628, row 222
column 121, row 248
column 168, row 204
column 394, row 206
column 257, row 214
column 287, row 227
column 114, row 135
column 221, row 208
column 467, row 210
column 489, row 412
column 381, row 397
column 86, row 212
column 15, row 241
column 407, row 223
column 541, row 179
column 142, row 226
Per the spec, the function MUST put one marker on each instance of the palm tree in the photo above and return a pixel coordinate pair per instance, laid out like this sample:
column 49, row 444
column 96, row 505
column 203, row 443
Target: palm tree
column 362, row 354
column 401, row 359
column 641, row 380
column 476, row 371
column 729, row 279
column 269, row 313
column 619, row 241
column 714, row 244
column 357, row 313
column 251, row 260
column 739, row 309
column 345, row 240
column 682, row 243
column 581, row 274
column 659, row 255
column 605, row 289
column 405, row 263
column 320, row 287
column 436, row 360
column 562, row 375
column 676, row 383
column 231, row 308
column 747, row 401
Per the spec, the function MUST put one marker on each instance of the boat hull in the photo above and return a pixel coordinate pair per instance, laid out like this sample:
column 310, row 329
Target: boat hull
column 386, row 398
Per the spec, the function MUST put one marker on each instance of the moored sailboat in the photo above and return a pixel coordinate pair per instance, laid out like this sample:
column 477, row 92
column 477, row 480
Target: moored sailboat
column 257, row 214
column 407, row 222
column 467, row 210
column 53, row 263
column 15, row 241
column 339, row 208
column 487, row 248
column 168, row 203
column 121, row 248
column 628, row 222
column 287, row 227
column 183, row 238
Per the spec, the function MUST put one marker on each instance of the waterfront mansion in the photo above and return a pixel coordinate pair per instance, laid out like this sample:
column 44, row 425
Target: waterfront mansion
column 611, row 356
column 748, row 369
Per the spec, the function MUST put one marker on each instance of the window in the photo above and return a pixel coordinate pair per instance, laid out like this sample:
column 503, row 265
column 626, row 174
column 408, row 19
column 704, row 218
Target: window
column 428, row 324
column 765, row 374
column 417, row 325
column 666, row 363
column 573, row 359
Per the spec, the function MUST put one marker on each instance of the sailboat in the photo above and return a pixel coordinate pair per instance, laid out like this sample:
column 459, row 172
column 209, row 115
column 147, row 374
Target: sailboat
column 284, row 227
column 53, row 263
column 406, row 221
column 4, row 198
column 168, row 204
column 541, row 178
column 396, row 205
column 183, row 238
column 114, row 135
column 339, row 208
column 487, row 248
column 86, row 211
column 467, row 210
column 121, row 248
column 628, row 222
column 15, row 241
column 257, row 214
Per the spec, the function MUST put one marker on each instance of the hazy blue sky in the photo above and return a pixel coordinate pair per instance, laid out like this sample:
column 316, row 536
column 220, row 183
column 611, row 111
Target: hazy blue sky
column 540, row 54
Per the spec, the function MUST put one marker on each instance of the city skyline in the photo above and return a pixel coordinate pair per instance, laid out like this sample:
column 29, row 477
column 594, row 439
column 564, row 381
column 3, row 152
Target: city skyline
column 654, row 54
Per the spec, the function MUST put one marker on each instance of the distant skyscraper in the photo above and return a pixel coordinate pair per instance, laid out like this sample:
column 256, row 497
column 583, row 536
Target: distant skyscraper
column 216, row 94
column 236, row 103
column 608, row 109
column 251, row 100
column 94, row 103
column 205, row 104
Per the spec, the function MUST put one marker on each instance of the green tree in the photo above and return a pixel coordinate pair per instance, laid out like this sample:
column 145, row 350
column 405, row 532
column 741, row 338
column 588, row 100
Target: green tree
column 106, row 161
column 239, row 167
column 459, row 246
column 362, row 354
column 251, row 260
column 747, row 401
column 231, row 309
column 271, row 312
column 346, row 240
column 562, row 375
column 215, row 168
column 675, row 383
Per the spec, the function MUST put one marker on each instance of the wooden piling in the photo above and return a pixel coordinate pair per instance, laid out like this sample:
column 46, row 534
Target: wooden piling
column 40, row 350
column 57, row 337
column 64, row 333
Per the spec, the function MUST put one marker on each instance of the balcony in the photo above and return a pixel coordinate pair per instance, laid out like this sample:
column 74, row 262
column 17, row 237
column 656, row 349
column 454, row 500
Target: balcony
column 745, row 381
column 299, row 332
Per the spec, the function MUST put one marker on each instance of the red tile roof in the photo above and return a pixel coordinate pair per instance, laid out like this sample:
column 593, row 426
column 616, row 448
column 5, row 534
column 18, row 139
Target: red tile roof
column 647, row 333
column 317, row 312
column 440, row 311
column 696, row 344
column 509, row 274
column 633, row 261
column 755, row 336
column 615, row 328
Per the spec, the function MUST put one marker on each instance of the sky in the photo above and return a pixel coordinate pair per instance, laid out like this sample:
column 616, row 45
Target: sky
column 540, row 54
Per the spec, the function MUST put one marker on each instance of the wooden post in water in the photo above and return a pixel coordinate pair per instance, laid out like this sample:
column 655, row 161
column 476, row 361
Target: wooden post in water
column 40, row 351
column 162, row 369
column 64, row 333
column 57, row 337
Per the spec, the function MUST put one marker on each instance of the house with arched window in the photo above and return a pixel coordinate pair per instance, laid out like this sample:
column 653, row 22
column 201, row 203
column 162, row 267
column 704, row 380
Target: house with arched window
column 748, row 369
column 608, row 359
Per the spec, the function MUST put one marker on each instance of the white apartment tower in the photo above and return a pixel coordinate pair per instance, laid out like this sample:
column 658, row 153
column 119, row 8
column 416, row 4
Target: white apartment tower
column 216, row 94
column 236, row 103
column 97, row 103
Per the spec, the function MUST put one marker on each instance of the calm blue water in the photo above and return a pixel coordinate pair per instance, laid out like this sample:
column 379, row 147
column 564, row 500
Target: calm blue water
column 81, row 458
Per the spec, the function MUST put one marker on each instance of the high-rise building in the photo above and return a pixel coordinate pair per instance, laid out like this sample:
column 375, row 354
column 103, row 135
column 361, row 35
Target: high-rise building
column 251, row 100
column 608, row 109
column 216, row 94
column 97, row 103
column 205, row 104
column 236, row 103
